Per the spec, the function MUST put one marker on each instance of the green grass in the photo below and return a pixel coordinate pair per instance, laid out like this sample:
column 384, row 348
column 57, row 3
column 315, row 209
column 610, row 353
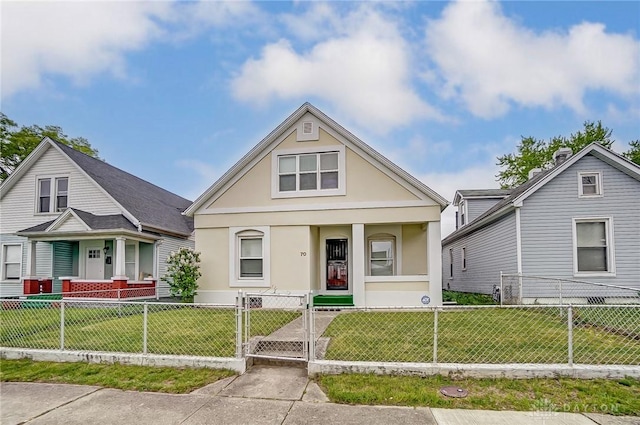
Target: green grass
column 124, row 377
column 619, row 397
column 171, row 329
column 466, row 298
column 474, row 336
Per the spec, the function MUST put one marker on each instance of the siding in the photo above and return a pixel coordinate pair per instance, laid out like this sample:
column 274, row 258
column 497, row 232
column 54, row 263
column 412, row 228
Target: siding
column 169, row 244
column 43, row 264
column 63, row 259
column 489, row 251
column 17, row 208
column 475, row 207
column 546, row 223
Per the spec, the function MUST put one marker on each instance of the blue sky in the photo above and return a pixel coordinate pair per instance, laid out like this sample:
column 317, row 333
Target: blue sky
column 177, row 92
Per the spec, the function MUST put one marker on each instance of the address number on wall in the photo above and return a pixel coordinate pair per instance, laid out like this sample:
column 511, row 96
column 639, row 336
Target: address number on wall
column 303, row 254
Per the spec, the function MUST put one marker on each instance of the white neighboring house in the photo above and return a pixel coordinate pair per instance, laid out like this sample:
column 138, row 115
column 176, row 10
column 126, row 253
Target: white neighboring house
column 312, row 208
column 66, row 214
column 579, row 220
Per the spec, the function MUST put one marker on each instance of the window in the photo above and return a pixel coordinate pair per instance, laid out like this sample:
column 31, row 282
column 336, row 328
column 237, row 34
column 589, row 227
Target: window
column 306, row 172
column 11, row 262
column 590, row 184
column 382, row 256
column 462, row 212
column 450, row 262
column 50, row 201
column 464, row 258
column 249, row 257
column 130, row 261
column 593, row 246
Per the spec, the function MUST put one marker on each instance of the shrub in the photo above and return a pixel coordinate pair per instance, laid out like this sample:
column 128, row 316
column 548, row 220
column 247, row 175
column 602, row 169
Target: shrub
column 182, row 274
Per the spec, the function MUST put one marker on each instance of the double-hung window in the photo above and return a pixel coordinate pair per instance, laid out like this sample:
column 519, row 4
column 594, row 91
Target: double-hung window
column 249, row 250
column 11, row 261
column 589, row 184
column 308, row 172
column 463, row 253
column 594, row 253
column 382, row 257
column 53, row 194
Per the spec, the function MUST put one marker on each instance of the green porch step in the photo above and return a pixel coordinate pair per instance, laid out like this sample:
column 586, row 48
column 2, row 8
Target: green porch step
column 333, row 300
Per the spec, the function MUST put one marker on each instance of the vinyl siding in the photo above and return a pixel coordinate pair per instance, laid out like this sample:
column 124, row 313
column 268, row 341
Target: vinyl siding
column 169, row 244
column 63, row 262
column 546, row 222
column 18, row 205
column 489, row 251
column 43, row 264
column 475, row 207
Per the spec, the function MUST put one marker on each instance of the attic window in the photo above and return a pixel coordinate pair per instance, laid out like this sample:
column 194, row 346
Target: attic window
column 590, row 184
column 307, row 127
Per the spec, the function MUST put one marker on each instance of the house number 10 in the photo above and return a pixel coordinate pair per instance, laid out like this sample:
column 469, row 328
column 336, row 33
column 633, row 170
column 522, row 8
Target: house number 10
column 303, row 254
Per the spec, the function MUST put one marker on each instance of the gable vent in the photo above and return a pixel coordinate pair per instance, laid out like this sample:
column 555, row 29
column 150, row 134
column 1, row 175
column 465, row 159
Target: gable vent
column 307, row 127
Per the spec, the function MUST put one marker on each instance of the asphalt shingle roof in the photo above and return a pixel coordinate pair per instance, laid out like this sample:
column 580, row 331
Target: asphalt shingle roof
column 153, row 206
column 95, row 222
column 485, row 192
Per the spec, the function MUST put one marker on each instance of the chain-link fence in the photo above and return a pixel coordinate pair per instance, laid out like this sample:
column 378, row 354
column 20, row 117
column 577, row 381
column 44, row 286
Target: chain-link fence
column 485, row 334
column 207, row 330
column 526, row 289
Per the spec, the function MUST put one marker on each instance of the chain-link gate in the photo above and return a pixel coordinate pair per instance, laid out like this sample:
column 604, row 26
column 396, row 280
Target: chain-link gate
column 276, row 326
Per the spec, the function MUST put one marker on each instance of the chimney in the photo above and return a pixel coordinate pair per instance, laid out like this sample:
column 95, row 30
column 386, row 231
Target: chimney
column 533, row 172
column 561, row 155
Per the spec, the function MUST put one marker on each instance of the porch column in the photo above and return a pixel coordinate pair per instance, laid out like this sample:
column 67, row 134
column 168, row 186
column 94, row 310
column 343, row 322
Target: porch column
column 119, row 270
column 31, row 259
column 434, row 261
column 357, row 234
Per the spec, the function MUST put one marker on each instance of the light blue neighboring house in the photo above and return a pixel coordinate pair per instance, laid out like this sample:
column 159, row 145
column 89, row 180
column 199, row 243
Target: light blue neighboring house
column 579, row 220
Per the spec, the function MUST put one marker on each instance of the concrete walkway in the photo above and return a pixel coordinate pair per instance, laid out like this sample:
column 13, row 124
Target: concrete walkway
column 263, row 395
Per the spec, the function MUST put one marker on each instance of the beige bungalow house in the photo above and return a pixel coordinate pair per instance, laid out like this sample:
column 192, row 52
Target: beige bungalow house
column 313, row 209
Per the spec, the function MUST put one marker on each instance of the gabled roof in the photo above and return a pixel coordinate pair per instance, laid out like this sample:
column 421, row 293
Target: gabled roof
column 144, row 204
column 90, row 221
column 263, row 148
column 480, row 194
column 522, row 192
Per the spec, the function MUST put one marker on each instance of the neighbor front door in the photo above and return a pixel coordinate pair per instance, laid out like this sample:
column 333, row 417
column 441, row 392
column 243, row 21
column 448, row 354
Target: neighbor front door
column 94, row 263
column 337, row 264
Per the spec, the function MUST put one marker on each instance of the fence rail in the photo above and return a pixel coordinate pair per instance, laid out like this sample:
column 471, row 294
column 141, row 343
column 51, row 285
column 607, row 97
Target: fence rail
column 598, row 334
column 529, row 289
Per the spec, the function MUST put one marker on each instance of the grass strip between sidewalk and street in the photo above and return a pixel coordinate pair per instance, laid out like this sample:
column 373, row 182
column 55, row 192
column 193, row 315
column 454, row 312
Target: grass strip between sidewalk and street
column 615, row 397
column 123, row 377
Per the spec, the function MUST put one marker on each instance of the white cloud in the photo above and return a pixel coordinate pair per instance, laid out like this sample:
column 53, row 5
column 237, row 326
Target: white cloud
column 363, row 69
column 80, row 39
column 493, row 62
column 481, row 176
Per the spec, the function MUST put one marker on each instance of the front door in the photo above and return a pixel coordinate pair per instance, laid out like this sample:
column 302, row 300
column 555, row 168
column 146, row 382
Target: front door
column 337, row 264
column 94, row 264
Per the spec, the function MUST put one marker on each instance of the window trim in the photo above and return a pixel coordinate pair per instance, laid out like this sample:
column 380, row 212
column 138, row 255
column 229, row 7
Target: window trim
column 236, row 234
column 341, row 190
column 609, row 233
column 599, row 185
column 463, row 261
column 450, row 263
column 53, row 195
column 3, row 272
column 383, row 237
column 464, row 213
column 136, row 259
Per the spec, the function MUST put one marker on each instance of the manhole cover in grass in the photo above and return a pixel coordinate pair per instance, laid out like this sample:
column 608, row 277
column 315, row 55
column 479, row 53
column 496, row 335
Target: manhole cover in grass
column 456, row 392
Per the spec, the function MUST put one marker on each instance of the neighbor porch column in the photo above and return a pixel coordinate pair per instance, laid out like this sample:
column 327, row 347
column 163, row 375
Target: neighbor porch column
column 31, row 259
column 357, row 234
column 119, row 271
column 434, row 260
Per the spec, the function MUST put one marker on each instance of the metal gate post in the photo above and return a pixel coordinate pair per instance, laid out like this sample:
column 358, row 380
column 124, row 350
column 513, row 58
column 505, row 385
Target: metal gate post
column 239, row 325
column 312, row 329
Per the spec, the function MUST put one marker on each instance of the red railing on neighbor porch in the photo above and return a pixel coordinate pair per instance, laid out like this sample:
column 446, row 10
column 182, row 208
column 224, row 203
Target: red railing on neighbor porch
column 111, row 289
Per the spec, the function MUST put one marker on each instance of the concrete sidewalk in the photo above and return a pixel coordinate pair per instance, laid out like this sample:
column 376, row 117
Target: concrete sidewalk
column 263, row 395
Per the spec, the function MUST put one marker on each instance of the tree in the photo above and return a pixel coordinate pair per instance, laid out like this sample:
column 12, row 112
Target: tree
column 18, row 142
column 534, row 153
column 183, row 272
column 633, row 154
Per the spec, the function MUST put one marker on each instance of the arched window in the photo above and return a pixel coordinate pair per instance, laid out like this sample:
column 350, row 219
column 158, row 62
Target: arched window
column 382, row 255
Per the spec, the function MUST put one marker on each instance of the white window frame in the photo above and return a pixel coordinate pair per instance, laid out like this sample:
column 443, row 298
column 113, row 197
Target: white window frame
column 463, row 254
column 235, row 235
column 3, row 262
column 599, row 187
column 136, row 259
column 611, row 260
column 394, row 252
column 340, row 190
column 450, row 263
column 464, row 216
column 53, row 195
